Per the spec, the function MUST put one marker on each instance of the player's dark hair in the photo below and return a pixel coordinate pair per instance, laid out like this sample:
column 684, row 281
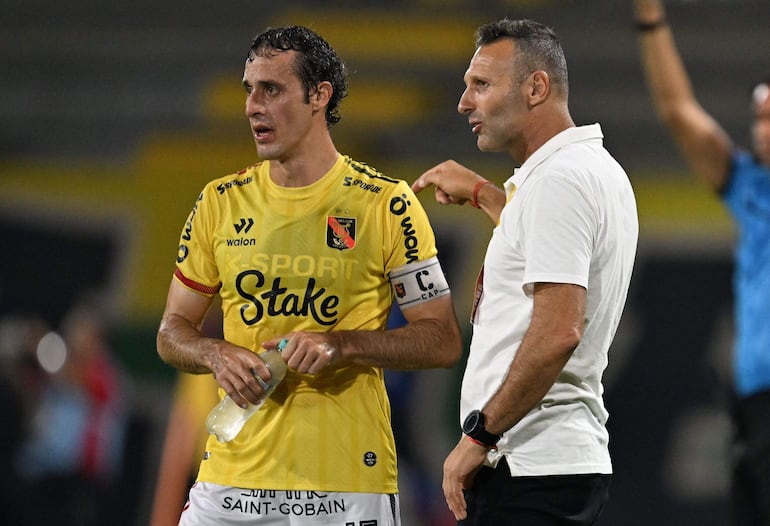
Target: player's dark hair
column 316, row 62
column 537, row 47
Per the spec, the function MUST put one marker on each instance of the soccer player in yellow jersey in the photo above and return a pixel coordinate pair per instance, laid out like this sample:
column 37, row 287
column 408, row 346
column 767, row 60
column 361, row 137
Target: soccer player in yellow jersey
column 311, row 246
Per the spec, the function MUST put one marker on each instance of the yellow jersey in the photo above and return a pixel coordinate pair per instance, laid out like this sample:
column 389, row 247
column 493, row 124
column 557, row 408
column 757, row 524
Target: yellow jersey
column 314, row 258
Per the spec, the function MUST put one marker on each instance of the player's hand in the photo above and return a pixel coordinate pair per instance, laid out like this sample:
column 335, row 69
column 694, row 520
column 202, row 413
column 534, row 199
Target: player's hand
column 460, row 467
column 454, row 182
column 306, row 352
column 240, row 372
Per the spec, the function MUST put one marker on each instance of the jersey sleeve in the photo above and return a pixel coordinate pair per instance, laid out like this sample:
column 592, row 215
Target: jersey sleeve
column 195, row 264
column 413, row 267
column 409, row 236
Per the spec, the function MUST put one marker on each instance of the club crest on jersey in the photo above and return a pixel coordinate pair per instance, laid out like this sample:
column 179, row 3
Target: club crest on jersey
column 400, row 290
column 340, row 232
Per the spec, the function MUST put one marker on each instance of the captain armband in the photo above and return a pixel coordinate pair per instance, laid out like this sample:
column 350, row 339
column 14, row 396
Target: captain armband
column 418, row 282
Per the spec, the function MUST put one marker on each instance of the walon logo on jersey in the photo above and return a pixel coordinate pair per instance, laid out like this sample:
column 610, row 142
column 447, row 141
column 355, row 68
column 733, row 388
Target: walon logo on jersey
column 340, row 232
column 242, row 227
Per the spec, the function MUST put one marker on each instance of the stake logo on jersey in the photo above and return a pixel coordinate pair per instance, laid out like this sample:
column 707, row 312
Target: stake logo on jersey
column 340, row 232
column 274, row 299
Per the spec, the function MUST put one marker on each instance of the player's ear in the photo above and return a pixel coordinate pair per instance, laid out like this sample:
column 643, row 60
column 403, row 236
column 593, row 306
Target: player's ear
column 322, row 95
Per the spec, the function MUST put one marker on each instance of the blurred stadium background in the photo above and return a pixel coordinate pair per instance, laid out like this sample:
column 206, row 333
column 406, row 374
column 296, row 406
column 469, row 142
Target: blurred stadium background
column 114, row 115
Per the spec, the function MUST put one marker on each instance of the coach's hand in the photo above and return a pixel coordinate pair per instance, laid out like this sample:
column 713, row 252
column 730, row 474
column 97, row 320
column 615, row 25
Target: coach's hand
column 457, row 185
column 454, row 183
column 460, row 467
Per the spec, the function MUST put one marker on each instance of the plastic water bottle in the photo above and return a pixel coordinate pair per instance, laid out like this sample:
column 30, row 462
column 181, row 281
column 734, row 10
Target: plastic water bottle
column 227, row 419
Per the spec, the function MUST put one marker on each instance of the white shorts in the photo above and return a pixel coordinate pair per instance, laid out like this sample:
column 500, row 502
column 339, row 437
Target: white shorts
column 210, row 504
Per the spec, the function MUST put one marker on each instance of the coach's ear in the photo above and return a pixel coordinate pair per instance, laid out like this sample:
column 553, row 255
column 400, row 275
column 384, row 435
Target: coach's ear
column 538, row 88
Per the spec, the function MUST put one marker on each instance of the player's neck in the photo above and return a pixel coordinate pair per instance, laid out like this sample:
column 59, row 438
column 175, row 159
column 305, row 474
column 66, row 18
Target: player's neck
column 307, row 166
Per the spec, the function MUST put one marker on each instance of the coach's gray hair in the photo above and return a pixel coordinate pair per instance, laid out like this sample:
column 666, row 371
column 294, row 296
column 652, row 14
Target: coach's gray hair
column 537, row 45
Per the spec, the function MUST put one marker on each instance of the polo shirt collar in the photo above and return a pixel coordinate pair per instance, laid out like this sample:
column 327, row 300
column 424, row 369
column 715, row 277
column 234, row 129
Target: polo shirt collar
column 555, row 143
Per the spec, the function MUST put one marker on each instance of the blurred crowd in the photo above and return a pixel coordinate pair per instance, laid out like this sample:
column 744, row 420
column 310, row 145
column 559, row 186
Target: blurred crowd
column 65, row 418
column 66, row 405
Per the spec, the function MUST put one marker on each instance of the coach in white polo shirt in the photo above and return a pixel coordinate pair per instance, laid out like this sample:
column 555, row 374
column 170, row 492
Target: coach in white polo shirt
column 550, row 294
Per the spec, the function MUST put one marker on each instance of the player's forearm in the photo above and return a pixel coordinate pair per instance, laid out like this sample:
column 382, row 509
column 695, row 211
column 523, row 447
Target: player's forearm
column 421, row 344
column 181, row 345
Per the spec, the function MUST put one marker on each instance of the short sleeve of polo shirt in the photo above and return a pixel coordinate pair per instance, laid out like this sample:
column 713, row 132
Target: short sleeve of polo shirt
column 558, row 233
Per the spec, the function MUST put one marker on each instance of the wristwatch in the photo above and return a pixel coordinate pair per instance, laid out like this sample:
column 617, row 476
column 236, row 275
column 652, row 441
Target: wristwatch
column 474, row 428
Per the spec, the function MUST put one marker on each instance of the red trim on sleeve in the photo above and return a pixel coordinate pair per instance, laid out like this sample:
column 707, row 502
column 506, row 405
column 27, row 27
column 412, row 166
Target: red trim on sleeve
column 203, row 289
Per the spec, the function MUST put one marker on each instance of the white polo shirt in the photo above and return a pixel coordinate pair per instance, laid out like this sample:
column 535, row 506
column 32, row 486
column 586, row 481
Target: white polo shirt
column 572, row 219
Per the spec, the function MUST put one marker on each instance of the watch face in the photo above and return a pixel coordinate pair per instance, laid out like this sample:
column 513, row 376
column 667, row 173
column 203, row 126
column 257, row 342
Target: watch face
column 471, row 421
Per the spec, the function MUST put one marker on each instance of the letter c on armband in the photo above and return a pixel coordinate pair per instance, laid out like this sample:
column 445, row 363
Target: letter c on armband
column 418, row 282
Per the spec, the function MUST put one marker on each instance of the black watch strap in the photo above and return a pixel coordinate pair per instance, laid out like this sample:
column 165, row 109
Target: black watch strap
column 474, row 428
